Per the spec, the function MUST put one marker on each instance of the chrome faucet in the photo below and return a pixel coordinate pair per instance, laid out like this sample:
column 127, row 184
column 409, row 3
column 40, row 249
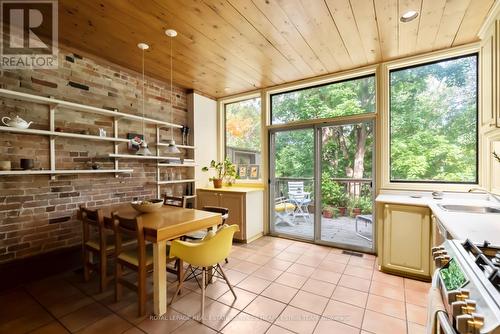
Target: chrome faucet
column 496, row 197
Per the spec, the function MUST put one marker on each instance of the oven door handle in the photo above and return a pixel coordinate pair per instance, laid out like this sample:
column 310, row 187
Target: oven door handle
column 443, row 323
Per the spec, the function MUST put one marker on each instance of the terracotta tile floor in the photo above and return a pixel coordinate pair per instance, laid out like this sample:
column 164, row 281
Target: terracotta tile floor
column 283, row 286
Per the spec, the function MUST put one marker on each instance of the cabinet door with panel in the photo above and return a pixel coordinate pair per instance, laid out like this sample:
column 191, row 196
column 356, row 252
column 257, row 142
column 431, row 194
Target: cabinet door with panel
column 406, row 239
column 236, row 205
column 208, row 198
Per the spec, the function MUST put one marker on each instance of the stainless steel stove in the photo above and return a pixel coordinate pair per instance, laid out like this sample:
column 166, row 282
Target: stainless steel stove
column 469, row 282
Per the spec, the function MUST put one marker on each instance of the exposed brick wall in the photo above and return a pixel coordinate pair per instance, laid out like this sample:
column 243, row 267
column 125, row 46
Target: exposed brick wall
column 38, row 214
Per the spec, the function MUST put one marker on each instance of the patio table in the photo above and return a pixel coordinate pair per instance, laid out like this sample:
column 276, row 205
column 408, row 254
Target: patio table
column 300, row 199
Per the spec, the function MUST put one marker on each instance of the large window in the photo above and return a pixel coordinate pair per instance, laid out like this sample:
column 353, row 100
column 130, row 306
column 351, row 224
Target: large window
column 433, row 122
column 342, row 98
column 243, row 131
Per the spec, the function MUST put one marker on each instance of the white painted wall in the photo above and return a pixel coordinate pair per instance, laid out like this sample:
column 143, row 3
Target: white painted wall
column 203, row 110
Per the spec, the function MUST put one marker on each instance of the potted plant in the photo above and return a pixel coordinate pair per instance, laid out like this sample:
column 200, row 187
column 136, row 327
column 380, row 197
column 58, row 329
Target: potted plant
column 328, row 211
column 223, row 170
column 355, row 205
column 341, row 201
column 334, row 194
column 366, row 205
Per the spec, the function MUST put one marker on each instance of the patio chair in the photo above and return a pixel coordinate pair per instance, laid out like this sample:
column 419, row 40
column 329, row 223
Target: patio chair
column 367, row 219
column 283, row 209
column 300, row 198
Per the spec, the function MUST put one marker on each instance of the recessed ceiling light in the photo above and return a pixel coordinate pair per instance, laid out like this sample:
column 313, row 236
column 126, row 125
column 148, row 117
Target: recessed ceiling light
column 408, row 16
column 171, row 32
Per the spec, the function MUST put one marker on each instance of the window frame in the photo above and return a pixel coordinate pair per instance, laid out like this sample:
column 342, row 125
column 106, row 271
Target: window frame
column 223, row 133
column 384, row 167
column 475, row 55
column 318, row 85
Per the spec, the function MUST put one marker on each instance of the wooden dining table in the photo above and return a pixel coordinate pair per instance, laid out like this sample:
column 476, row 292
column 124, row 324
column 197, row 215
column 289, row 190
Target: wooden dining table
column 159, row 227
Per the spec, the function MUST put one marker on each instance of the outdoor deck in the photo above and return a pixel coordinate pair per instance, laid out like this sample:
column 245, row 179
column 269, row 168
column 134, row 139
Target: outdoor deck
column 339, row 230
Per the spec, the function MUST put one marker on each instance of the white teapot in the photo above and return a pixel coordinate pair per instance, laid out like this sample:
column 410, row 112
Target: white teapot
column 17, row 122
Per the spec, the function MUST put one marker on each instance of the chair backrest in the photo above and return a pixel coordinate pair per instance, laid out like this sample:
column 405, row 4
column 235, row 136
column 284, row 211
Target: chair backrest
column 92, row 218
column 130, row 227
column 178, row 201
column 217, row 209
column 208, row 252
column 296, row 186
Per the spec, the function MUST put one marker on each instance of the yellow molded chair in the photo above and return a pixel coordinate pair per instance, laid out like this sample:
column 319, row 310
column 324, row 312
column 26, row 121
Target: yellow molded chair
column 206, row 255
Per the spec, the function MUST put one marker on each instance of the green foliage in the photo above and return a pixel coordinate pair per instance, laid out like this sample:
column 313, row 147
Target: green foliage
column 433, row 122
column 364, row 203
column 333, row 193
column 223, row 170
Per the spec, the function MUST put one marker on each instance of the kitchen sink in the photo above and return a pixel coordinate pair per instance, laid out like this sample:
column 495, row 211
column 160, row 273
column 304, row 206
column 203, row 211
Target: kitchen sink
column 470, row 208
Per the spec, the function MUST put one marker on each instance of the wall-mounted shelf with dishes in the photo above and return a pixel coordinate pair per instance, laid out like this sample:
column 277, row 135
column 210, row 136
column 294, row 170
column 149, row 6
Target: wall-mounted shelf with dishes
column 17, row 125
column 63, row 171
column 176, row 181
column 187, row 147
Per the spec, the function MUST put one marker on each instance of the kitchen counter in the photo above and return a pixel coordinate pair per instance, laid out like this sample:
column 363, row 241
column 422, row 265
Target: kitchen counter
column 461, row 225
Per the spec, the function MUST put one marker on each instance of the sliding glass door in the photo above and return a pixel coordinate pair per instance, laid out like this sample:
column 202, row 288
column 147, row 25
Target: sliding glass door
column 346, row 185
column 292, row 183
column 322, row 184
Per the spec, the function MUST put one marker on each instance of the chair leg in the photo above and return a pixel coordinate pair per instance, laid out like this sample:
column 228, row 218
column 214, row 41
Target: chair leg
column 103, row 277
column 118, row 277
column 86, row 261
column 227, row 281
column 203, row 287
column 177, row 291
column 141, row 287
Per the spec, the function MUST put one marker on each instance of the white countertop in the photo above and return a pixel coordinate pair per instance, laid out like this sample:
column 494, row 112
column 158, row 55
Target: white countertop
column 461, row 225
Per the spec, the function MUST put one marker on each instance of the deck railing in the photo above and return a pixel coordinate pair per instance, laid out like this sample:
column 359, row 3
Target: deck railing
column 353, row 187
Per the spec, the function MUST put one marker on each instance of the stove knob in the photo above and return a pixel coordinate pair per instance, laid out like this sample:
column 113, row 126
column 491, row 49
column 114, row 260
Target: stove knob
column 442, row 260
column 457, row 308
column 469, row 307
column 463, row 295
column 438, row 248
column 439, row 253
column 476, row 323
column 453, row 295
column 463, row 323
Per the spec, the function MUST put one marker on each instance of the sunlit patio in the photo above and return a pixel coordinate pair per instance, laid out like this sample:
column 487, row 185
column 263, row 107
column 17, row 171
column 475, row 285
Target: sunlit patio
column 341, row 230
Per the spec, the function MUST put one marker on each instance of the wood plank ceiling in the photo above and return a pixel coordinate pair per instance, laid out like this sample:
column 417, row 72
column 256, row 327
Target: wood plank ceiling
column 230, row 46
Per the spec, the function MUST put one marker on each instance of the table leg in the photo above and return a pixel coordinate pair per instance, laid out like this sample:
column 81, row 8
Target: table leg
column 160, row 277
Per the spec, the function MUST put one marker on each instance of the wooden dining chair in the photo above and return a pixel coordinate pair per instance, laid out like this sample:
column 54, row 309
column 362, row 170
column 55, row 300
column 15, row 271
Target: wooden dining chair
column 178, row 201
column 139, row 258
column 96, row 243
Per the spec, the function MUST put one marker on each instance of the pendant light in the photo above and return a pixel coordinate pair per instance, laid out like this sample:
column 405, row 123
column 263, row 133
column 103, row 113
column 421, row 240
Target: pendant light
column 143, row 148
column 171, row 148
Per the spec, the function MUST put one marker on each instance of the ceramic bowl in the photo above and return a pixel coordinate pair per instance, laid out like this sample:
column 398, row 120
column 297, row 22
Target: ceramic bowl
column 148, row 206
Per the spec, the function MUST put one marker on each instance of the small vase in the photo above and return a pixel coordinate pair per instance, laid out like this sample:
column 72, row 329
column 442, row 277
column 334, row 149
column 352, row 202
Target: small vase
column 217, row 183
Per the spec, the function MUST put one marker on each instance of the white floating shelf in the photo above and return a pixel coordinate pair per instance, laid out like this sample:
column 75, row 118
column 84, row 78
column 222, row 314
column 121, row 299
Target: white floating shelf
column 179, row 146
column 177, row 165
column 141, row 157
column 60, row 134
column 80, row 107
column 64, row 171
column 176, row 181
